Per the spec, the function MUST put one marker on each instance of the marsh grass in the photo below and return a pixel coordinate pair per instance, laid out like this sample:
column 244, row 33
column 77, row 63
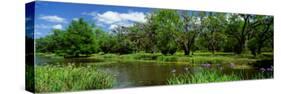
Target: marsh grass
column 208, row 76
column 202, row 77
column 264, row 75
column 70, row 78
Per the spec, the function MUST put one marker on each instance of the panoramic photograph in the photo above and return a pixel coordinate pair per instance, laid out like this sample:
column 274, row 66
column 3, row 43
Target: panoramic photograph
column 74, row 47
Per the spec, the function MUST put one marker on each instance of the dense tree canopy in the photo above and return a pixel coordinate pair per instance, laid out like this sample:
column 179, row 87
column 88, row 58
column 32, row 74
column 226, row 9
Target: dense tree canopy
column 166, row 31
column 166, row 23
column 78, row 39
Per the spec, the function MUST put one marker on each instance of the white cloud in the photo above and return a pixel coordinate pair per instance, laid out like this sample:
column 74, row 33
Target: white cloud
column 41, row 26
column 53, row 18
column 58, row 26
column 111, row 27
column 111, row 17
column 100, row 24
column 38, row 33
column 134, row 16
column 44, row 26
column 108, row 17
column 125, row 24
column 75, row 19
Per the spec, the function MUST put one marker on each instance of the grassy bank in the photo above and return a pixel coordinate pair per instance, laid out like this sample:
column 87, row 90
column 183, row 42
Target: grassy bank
column 69, row 78
column 196, row 58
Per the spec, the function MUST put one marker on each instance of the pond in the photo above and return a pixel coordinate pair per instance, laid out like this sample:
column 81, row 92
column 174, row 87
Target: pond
column 134, row 74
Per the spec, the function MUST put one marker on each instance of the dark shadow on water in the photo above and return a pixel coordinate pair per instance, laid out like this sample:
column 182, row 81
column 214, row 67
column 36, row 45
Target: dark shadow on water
column 263, row 64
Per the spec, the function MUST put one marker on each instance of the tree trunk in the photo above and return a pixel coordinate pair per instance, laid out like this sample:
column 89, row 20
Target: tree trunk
column 213, row 51
column 239, row 49
column 186, row 50
column 241, row 45
column 259, row 48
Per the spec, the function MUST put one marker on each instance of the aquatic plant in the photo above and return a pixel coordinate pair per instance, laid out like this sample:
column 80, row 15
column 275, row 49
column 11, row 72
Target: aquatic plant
column 204, row 76
column 70, row 78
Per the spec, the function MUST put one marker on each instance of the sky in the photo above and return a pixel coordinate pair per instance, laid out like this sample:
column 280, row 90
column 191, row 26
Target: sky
column 54, row 15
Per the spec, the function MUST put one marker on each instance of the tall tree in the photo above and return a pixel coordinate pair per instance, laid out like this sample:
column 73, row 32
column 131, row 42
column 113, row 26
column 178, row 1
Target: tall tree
column 212, row 34
column 166, row 24
column 190, row 28
column 123, row 44
column 145, row 36
column 262, row 33
column 238, row 28
column 80, row 39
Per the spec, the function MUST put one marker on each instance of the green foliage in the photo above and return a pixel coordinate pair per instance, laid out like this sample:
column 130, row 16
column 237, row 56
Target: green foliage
column 70, row 78
column 262, row 34
column 166, row 24
column 166, row 31
column 106, row 41
column 123, row 44
column 166, row 36
column 212, row 37
column 78, row 39
column 143, row 35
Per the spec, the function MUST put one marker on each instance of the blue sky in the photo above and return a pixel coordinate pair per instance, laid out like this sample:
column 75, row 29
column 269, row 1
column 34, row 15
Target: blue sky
column 53, row 15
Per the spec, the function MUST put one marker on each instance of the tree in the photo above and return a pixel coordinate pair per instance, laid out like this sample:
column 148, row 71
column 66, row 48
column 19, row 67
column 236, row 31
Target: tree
column 212, row 34
column 105, row 41
column 143, row 36
column 165, row 31
column 52, row 43
column 238, row 28
column 123, row 45
column 80, row 39
column 165, row 23
column 262, row 33
column 190, row 28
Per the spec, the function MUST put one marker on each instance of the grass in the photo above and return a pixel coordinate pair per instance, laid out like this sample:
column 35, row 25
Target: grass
column 207, row 76
column 202, row 77
column 70, row 78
